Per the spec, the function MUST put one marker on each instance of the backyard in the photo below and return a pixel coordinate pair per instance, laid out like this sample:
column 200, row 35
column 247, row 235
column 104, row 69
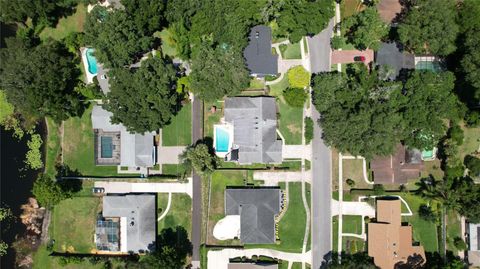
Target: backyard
column 179, row 131
column 211, row 118
column 53, row 147
column 78, row 145
column 291, row 228
column 73, row 224
column 65, row 26
column 180, row 213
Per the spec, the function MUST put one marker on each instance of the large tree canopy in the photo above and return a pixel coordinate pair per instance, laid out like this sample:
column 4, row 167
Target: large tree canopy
column 40, row 80
column 430, row 27
column 363, row 115
column 40, row 11
column 301, row 18
column 365, row 29
column 143, row 99
column 117, row 38
column 218, row 72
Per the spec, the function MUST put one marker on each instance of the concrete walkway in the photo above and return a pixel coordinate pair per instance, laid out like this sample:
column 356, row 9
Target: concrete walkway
column 273, row 178
column 297, row 152
column 126, row 187
column 164, row 213
column 219, row 259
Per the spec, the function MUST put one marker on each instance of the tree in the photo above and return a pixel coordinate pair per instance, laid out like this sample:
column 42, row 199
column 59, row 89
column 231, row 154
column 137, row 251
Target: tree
column 456, row 134
column 48, row 192
column 34, row 156
column 365, row 29
column 300, row 18
column 217, row 72
column 337, row 42
column 199, row 158
column 473, row 165
column 146, row 14
column 430, row 27
column 45, row 12
column 117, row 39
column 425, row 212
column 298, row 77
column 40, row 80
column 308, row 130
column 143, row 99
column 459, row 244
column 295, row 97
column 428, row 101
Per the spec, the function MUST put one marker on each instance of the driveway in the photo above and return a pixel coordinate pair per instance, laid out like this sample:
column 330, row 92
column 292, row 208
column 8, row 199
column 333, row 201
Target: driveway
column 353, row 208
column 321, row 197
column 319, row 50
column 296, row 151
column 273, row 178
column 346, row 56
column 219, row 259
column 169, row 155
column 126, row 187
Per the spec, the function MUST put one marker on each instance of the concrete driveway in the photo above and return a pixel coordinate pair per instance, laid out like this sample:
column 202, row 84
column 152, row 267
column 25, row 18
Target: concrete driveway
column 126, row 187
column 319, row 50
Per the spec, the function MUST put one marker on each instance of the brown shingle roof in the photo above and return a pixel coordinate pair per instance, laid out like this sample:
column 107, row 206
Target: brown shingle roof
column 395, row 169
column 390, row 243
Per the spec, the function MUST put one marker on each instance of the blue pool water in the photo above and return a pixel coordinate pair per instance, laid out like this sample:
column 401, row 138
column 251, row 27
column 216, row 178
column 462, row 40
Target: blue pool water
column 92, row 62
column 222, row 137
column 106, row 147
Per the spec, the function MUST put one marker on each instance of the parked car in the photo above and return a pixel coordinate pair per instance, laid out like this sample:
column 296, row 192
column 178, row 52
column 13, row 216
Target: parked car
column 359, row 58
column 98, row 190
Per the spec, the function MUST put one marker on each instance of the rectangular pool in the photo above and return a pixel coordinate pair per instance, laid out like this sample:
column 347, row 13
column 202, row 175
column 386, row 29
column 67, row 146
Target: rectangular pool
column 222, row 137
column 106, row 147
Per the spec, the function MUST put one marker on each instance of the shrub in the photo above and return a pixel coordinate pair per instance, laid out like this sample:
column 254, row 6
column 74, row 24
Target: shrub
column 308, row 130
column 337, row 42
column 459, row 244
column 473, row 164
column 378, row 189
column 298, row 77
column 270, row 78
column 472, row 118
column 350, row 182
column 425, row 212
column 34, row 156
column 283, row 48
column 456, row 134
column 295, row 97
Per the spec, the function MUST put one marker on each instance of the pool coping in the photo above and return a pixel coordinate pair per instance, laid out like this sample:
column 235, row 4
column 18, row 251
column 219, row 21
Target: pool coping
column 229, row 128
column 89, row 76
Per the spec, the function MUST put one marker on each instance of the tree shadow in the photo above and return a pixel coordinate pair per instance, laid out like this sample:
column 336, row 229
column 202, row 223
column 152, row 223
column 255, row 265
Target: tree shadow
column 177, row 239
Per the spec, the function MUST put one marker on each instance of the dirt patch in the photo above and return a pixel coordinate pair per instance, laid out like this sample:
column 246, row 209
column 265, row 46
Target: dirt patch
column 294, row 129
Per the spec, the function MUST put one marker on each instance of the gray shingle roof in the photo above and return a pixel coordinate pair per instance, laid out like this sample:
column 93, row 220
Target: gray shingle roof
column 136, row 149
column 391, row 55
column 257, row 209
column 141, row 220
column 258, row 54
column 255, row 123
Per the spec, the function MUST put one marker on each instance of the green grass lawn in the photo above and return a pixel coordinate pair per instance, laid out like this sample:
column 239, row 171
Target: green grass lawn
column 290, row 123
column 173, row 169
column 471, row 141
column 335, row 233
column 211, row 118
column 70, row 24
column 78, row 153
column 219, row 181
column 169, row 47
column 350, row 7
column 180, row 213
column 179, row 131
column 353, row 169
column 53, row 147
column 42, row 260
column 453, row 230
column 278, row 88
column 73, row 224
column 291, row 51
column 256, row 83
column 352, row 224
column 352, row 244
column 291, row 227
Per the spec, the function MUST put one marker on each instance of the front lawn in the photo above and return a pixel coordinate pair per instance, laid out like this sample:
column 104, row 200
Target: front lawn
column 219, row 181
column 53, row 147
column 291, row 51
column 179, row 131
column 353, row 245
column 335, row 233
column 78, row 147
column 180, row 213
column 352, row 224
column 278, row 88
column 353, row 169
column 173, row 169
column 73, row 224
column 290, row 122
column 65, row 26
column 291, row 228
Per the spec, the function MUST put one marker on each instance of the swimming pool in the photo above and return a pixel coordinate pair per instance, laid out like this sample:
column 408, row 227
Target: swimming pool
column 106, row 147
column 222, row 139
column 428, row 65
column 92, row 62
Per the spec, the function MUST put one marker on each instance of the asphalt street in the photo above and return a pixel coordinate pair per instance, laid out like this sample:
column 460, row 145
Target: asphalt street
column 319, row 49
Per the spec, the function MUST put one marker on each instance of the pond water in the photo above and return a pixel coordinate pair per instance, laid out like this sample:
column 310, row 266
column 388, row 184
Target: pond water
column 15, row 185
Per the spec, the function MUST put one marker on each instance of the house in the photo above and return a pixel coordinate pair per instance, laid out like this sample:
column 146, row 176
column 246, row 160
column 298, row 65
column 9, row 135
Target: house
column 398, row 168
column 392, row 56
column 390, row 243
column 257, row 208
column 114, row 145
column 474, row 244
column 254, row 121
column 258, row 53
column 128, row 224
column 252, row 266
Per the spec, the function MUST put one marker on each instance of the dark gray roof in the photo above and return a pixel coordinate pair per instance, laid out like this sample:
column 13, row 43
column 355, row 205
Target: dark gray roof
column 139, row 211
column 258, row 53
column 254, row 122
column 257, row 209
column 390, row 54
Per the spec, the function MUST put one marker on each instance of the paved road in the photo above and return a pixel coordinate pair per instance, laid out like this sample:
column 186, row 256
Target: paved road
column 197, row 133
column 319, row 50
